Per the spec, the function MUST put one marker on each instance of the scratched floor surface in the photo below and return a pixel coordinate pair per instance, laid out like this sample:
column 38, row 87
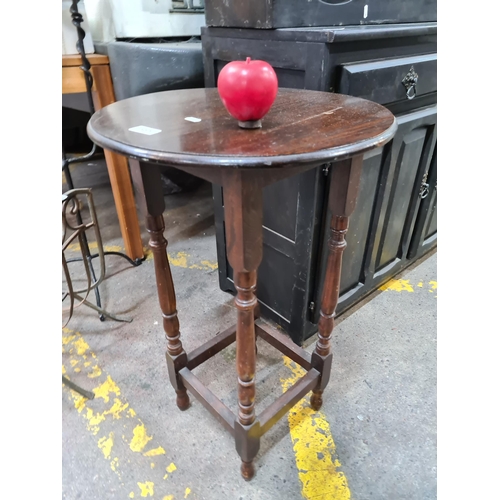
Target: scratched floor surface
column 374, row 438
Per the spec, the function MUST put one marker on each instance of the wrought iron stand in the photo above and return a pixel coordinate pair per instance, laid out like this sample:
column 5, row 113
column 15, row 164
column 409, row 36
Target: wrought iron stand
column 74, row 230
column 77, row 19
column 80, row 228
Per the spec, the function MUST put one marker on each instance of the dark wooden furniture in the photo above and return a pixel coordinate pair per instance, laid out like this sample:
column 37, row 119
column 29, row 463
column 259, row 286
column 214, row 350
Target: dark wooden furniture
column 73, row 81
column 303, row 130
column 395, row 221
column 265, row 14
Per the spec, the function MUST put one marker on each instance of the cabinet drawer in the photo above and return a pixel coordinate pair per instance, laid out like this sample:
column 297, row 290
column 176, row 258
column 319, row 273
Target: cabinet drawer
column 384, row 81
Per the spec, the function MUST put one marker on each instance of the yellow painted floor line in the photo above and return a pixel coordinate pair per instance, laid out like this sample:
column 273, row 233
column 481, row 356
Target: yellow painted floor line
column 119, row 433
column 406, row 286
column 75, row 247
column 315, row 456
column 178, row 259
column 183, row 259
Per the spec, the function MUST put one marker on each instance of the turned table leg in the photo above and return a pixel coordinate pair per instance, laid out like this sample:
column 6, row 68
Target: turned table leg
column 243, row 213
column 176, row 357
column 148, row 183
column 344, row 186
column 245, row 302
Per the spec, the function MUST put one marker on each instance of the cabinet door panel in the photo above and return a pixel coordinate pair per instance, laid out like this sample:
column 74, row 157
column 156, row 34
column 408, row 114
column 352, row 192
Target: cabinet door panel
column 424, row 235
column 353, row 258
column 359, row 237
column 405, row 177
column 411, row 157
column 431, row 229
column 280, row 211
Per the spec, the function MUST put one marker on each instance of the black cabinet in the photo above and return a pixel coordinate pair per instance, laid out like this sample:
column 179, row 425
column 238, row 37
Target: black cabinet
column 266, row 14
column 395, row 219
column 390, row 202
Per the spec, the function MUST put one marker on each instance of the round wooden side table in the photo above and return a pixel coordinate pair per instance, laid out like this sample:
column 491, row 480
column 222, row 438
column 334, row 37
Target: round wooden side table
column 191, row 130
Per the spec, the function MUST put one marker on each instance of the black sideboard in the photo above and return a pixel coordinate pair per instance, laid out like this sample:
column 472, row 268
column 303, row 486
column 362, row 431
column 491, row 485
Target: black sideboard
column 395, row 221
column 266, row 14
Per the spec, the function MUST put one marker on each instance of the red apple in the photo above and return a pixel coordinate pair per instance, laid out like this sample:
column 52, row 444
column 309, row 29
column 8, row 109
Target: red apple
column 248, row 90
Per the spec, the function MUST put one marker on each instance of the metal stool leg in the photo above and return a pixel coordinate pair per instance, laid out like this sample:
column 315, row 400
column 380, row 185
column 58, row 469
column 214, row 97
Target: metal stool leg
column 83, row 392
column 70, row 210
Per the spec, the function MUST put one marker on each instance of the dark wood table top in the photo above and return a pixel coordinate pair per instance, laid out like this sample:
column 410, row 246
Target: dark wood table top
column 192, row 128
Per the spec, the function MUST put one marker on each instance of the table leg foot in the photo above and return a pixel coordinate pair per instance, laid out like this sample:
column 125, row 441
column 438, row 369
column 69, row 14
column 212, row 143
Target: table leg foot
column 316, row 400
column 247, row 470
column 247, row 441
column 182, row 401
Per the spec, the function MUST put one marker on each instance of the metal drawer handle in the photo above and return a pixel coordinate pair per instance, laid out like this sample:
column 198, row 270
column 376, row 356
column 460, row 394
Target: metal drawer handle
column 335, row 2
column 410, row 83
column 424, row 187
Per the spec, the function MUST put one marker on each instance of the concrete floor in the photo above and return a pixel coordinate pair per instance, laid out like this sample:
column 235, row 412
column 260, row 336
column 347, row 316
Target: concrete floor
column 374, row 438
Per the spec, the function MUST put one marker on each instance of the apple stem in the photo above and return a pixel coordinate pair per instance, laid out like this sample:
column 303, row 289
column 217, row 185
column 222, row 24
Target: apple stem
column 248, row 60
